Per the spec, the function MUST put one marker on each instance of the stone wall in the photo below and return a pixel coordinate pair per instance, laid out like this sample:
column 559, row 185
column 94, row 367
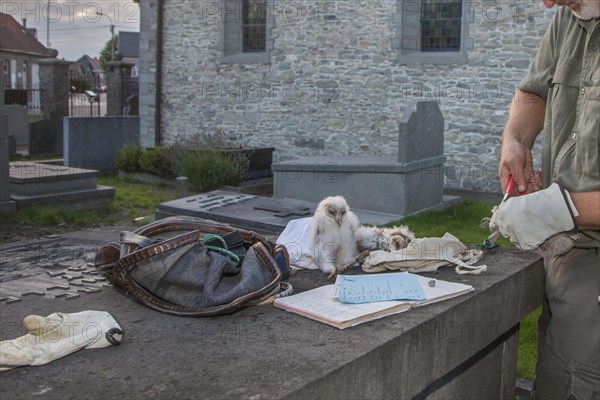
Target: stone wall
column 333, row 86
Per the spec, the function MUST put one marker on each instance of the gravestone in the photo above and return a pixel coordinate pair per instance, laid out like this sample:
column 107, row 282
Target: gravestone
column 409, row 183
column 16, row 125
column 241, row 210
column 6, row 205
column 38, row 184
column 421, row 133
column 264, row 214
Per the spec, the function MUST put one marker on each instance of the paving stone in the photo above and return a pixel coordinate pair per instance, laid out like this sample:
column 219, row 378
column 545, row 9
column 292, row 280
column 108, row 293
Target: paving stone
column 13, row 300
column 33, row 294
column 90, row 290
column 9, row 299
column 54, row 274
column 62, row 287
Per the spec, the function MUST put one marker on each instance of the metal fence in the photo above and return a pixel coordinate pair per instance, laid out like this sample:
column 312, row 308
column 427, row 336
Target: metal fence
column 28, row 96
column 87, row 96
column 129, row 95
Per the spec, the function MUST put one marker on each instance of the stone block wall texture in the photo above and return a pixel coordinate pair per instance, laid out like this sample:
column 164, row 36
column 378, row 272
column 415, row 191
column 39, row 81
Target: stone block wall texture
column 54, row 78
column 333, row 86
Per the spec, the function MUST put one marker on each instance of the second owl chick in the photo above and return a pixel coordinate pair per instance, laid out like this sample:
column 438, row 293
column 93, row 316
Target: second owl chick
column 387, row 239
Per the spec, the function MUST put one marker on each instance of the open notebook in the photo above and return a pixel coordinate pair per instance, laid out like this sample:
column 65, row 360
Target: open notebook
column 321, row 304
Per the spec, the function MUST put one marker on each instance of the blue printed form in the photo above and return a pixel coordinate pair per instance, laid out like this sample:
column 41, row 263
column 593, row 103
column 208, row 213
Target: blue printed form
column 382, row 287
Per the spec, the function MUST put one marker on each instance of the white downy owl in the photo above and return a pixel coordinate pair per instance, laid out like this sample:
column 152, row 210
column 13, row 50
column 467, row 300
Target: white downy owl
column 333, row 226
column 387, row 239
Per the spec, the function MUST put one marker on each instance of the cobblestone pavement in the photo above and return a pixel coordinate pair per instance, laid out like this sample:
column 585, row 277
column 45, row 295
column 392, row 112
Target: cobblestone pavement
column 54, row 266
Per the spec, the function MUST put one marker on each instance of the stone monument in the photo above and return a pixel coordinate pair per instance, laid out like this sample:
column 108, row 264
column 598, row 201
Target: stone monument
column 401, row 185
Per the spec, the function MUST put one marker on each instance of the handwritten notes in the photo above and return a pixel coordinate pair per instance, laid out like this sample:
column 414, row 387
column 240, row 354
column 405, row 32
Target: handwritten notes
column 322, row 303
column 355, row 289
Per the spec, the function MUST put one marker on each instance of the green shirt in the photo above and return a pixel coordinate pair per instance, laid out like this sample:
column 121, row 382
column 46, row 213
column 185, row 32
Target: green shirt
column 566, row 74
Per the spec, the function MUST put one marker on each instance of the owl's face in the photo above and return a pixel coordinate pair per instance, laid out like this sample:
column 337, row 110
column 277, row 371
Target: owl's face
column 334, row 208
column 335, row 213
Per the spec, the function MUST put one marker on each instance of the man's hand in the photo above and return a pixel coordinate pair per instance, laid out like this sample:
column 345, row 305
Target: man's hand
column 516, row 160
column 529, row 220
column 525, row 121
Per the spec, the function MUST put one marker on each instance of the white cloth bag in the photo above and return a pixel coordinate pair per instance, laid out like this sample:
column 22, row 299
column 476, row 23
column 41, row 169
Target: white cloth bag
column 427, row 255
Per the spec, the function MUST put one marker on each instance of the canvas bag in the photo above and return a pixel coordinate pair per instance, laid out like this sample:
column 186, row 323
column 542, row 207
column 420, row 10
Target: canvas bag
column 187, row 266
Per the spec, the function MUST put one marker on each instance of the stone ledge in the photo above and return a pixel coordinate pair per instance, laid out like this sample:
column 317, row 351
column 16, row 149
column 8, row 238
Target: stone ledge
column 356, row 164
column 96, row 198
column 400, row 356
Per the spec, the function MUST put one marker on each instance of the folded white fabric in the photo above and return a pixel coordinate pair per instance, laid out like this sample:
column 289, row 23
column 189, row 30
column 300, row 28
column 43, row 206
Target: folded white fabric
column 427, row 255
column 296, row 237
column 57, row 335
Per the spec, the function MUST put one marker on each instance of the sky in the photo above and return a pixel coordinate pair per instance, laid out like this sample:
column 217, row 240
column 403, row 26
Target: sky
column 75, row 28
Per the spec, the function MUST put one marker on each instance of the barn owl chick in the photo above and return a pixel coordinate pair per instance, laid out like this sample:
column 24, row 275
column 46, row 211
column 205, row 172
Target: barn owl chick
column 332, row 238
column 387, row 239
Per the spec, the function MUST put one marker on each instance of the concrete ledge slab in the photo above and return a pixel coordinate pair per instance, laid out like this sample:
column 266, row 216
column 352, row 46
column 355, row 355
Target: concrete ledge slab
column 98, row 197
column 30, row 172
column 8, row 207
column 265, row 353
column 30, row 179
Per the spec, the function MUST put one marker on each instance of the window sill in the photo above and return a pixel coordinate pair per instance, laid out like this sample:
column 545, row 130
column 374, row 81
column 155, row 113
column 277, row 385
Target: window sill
column 442, row 57
column 246, row 58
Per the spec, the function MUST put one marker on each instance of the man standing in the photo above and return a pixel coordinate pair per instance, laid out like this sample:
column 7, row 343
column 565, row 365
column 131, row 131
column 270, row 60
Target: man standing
column 561, row 95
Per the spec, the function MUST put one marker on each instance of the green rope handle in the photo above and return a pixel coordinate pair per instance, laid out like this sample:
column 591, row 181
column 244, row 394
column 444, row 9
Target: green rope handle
column 223, row 250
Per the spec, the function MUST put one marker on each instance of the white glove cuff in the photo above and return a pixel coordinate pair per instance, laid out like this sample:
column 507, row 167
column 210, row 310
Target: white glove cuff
column 570, row 205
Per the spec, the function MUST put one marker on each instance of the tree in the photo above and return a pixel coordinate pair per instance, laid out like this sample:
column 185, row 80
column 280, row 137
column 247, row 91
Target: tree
column 105, row 53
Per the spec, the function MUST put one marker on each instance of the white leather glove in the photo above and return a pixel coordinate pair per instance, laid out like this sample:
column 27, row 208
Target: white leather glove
column 57, row 335
column 528, row 221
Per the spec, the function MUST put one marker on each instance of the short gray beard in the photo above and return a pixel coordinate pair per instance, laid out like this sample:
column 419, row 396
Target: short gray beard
column 588, row 9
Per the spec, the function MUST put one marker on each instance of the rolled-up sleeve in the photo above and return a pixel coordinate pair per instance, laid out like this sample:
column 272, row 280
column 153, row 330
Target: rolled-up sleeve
column 543, row 65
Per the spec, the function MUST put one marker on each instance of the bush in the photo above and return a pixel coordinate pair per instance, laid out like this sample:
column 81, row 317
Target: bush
column 155, row 161
column 128, row 159
column 209, row 161
column 208, row 169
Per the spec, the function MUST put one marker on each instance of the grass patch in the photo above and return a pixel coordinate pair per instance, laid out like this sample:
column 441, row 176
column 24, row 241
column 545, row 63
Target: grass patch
column 131, row 199
column 136, row 199
column 462, row 220
column 528, row 346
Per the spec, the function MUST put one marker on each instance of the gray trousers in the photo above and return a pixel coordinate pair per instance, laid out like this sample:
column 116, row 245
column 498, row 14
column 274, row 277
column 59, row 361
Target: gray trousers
column 569, row 329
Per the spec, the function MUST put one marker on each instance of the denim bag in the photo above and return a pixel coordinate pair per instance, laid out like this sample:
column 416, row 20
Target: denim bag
column 194, row 267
